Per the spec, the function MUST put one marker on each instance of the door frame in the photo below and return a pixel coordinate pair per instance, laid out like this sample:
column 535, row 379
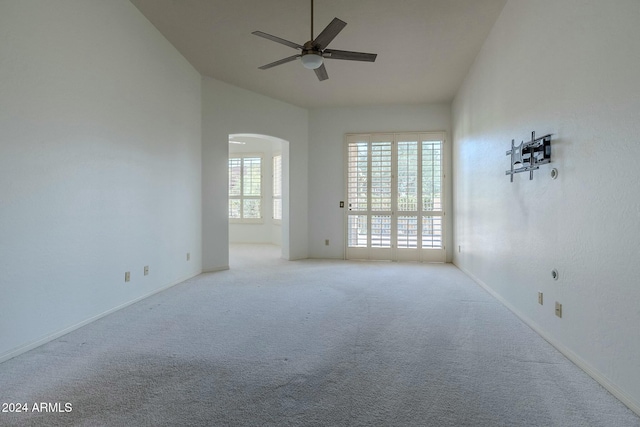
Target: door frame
column 394, row 253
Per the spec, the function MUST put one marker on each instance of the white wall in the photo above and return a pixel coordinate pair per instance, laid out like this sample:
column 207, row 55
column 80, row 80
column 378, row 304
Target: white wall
column 100, row 141
column 226, row 110
column 327, row 127
column 267, row 231
column 570, row 68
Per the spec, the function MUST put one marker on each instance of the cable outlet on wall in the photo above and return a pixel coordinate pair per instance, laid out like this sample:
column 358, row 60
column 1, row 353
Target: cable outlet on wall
column 459, row 248
column 146, row 270
column 540, row 298
column 188, row 256
column 326, row 242
column 127, row 276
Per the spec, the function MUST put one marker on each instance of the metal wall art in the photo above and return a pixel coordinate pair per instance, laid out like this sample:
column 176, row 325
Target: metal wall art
column 528, row 156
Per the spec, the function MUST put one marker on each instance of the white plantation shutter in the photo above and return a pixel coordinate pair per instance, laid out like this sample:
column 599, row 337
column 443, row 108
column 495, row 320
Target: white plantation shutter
column 357, row 192
column 358, row 170
column 432, row 194
column 245, row 188
column 407, row 184
column 277, row 187
column 394, row 196
column 381, row 192
column 235, row 188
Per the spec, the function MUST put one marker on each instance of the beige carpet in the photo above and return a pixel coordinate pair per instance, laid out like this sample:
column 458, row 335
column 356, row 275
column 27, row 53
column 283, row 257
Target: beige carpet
column 309, row 343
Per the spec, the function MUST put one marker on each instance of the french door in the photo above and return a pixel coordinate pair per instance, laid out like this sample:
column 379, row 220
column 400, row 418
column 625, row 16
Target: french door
column 395, row 196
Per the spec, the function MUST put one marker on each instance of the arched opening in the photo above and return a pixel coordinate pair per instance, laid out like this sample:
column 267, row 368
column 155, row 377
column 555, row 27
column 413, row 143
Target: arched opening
column 258, row 195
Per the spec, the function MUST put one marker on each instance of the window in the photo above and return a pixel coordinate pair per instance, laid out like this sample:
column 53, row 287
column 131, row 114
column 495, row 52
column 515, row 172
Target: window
column 277, row 188
column 245, row 188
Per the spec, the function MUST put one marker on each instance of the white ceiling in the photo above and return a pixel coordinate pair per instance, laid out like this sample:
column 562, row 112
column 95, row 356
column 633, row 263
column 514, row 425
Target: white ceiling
column 425, row 47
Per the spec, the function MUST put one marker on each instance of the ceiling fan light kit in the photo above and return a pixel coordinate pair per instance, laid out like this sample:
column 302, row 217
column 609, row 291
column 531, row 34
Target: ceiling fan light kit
column 311, row 60
column 313, row 52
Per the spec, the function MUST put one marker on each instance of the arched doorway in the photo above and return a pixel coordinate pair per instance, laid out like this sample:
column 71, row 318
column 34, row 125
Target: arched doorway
column 259, row 192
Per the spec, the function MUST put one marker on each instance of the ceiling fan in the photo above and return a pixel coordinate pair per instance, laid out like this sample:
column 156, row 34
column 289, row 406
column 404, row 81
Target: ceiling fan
column 313, row 52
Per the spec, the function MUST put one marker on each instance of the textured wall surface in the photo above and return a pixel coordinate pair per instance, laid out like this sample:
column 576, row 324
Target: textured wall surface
column 570, row 68
column 226, row 110
column 100, row 141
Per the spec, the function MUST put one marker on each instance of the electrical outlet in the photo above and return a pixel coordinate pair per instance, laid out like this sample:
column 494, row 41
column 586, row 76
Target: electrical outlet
column 127, row 276
column 188, row 256
column 558, row 309
column 326, row 242
column 459, row 248
column 146, row 270
column 540, row 298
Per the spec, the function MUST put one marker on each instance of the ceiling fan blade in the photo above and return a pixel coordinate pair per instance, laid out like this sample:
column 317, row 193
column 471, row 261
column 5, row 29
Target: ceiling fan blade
column 328, row 34
column 282, row 61
column 321, row 72
column 349, row 56
column 277, row 39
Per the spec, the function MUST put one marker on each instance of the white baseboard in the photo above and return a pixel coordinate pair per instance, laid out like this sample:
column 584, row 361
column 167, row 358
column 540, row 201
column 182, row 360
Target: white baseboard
column 577, row 360
column 30, row 346
column 216, row 269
